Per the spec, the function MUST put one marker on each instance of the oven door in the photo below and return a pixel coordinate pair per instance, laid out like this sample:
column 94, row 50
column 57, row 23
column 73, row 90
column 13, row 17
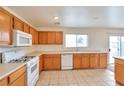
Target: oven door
column 32, row 72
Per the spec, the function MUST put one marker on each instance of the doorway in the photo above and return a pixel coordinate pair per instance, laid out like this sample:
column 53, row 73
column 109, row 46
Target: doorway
column 116, row 48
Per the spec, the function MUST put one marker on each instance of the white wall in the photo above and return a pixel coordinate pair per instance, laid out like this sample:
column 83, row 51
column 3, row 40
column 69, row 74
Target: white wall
column 97, row 37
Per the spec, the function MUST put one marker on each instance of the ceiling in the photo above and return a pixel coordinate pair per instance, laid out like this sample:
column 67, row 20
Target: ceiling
column 72, row 16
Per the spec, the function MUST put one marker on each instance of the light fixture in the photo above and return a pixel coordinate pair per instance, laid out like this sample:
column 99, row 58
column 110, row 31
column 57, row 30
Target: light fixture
column 56, row 17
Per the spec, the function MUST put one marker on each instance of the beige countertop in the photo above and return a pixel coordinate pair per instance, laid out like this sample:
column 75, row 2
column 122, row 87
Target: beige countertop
column 8, row 68
column 119, row 57
column 38, row 53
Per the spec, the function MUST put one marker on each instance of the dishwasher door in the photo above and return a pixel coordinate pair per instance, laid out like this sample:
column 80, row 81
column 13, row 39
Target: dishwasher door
column 67, row 61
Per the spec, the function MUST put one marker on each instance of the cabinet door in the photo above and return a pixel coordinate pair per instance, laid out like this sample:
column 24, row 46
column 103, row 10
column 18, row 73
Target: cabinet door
column 43, row 37
column 57, row 62
column 85, row 63
column 26, row 28
column 20, row 81
column 119, row 70
column 77, row 58
column 59, row 38
column 18, row 24
column 33, row 35
column 94, row 59
column 103, row 60
column 5, row 27
column 48, row 63
column 36, row 37
column 51, row 37
column 40, row 64
column 4, row 82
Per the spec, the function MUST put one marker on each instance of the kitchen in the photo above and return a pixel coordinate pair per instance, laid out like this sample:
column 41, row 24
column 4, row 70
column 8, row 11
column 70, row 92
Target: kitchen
column 57, row 48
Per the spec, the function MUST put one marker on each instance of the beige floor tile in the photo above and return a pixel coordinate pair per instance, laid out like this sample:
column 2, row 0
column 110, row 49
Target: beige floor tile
column 85, row 77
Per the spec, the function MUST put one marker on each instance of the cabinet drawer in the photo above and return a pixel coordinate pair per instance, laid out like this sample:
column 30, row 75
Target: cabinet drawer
column 21, row 81
column 4, row 82
column 16, row 74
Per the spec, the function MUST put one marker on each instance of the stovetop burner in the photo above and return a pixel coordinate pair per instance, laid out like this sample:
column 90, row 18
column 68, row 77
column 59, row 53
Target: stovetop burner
column 22, row 60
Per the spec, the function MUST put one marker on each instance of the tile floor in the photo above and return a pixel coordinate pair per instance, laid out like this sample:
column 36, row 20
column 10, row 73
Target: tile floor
column 97, row 77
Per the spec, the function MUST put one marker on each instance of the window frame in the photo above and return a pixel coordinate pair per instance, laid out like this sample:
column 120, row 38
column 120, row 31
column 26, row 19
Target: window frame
column 76, row 39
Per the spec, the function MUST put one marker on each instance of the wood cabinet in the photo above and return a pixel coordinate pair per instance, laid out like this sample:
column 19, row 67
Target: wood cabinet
column 85, row 63
column 18, row 78
column 94, row 60
column 77, row 58
column 40, row 64
column 52, row 61
column 59, row 38
column 81, row 61
column 20, row 81
column 103, row 60
column 50, row 37
column 26, row 28
column 4, row 82
column 5, row 27
column 43, row 37
column 119, row 71
column 32, row 32
column 18, row 24
column 36, row 37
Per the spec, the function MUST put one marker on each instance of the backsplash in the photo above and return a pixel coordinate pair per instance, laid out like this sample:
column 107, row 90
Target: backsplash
column 16, row 52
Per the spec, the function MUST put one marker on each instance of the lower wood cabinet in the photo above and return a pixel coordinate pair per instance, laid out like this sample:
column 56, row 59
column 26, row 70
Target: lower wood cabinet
column 4, row 82
column 40, row 64
column 119, row 71
column 52, row 62
column 103, row 60
column 92, row 60
column 17, row 78
column 85, row 63
column 21, row 81
column 81, row 61
column 77, row 58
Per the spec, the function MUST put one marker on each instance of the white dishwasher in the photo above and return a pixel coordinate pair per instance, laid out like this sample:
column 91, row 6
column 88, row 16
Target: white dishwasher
column 67, row 61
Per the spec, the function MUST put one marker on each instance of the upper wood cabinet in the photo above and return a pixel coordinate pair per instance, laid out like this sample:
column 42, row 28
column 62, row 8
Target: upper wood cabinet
column 59, row 38
column 5, row 27
column 18, row 24
column 43, row 37
column 26, row 28
column 32, row 32
column 50, row 37
column 36, row 37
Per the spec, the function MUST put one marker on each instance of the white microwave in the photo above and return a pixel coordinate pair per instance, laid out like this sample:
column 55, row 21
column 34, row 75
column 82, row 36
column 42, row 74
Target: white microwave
column 21, row 38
